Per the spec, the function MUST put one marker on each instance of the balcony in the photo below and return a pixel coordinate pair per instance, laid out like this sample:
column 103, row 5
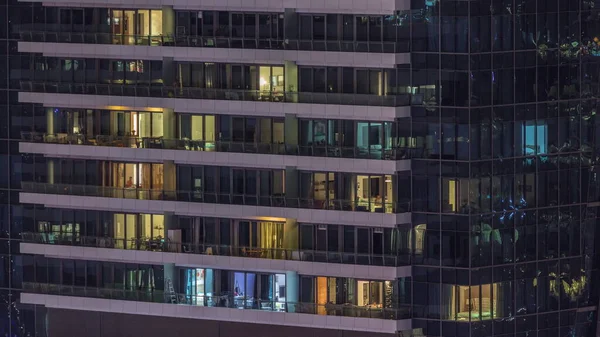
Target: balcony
column 223, row 301
column 398, row 153
column 211, row 198
column 160, row 91
column 166, row 246
column 214, row 42
column 205, row 197
column 159, row 296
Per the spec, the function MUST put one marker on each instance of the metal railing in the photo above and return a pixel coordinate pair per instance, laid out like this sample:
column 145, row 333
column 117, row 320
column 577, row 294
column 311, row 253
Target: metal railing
column 160, row 91
column 215, row 42
column 164, row 245
column 221, row 146
column 212, row 198
column 223, row 301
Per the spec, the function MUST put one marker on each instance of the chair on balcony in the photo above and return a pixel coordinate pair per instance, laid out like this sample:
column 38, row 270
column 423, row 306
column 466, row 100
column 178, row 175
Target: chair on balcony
column 230, row 95
column 362, row 208
column 266, row 306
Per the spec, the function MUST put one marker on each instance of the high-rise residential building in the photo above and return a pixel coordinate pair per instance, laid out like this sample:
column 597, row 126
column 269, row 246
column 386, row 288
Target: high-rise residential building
column 299, row 168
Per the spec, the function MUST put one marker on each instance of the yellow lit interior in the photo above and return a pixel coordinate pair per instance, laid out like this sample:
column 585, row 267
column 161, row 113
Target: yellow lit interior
column 452, row 195
column 474, row 302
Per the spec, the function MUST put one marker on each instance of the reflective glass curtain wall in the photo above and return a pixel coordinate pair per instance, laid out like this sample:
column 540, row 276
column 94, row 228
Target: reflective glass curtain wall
column 507, row 130
column 15, row 319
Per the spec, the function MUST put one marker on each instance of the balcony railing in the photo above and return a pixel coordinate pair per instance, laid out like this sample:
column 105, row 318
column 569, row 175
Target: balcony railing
column 212, row 42
column 221, row 146
column 164, row 245
column 160, row 91
column 223, row 301
column 212, row 198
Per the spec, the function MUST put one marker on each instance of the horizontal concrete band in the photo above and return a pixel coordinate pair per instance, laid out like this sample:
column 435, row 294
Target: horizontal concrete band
column 219, row 107
column 233, row 159
column 301, row 215
column 307, row 6
column 217, row 313
column 230, row 55
column 217, row 262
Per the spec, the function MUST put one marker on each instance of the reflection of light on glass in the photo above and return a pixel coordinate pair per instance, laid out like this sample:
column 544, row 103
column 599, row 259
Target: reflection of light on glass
column 135, row 123
column 452, row 194
column 419, row 233
column 266, row 218
column 126, row 108
column 263, row 81
column 137, row 168
column 574, row 290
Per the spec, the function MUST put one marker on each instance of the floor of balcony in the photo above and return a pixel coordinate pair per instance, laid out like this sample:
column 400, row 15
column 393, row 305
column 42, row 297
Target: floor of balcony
column 78, row 299
column 307, row 160
column 218, row 261
column 142, row 202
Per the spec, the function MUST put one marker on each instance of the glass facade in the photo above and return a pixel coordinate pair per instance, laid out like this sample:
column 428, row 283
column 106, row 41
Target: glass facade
column 508, row 129
column 224, row 81
column 502, row 191
column 219, row 288
column 271, row 239
column 16, row 319
column 361, row 192
column 386, row 140
column 225, row 29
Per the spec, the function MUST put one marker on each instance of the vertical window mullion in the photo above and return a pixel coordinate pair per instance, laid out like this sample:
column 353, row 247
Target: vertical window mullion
column 60, row 273
column 382, row 18
column 325, row 30
column 71, row 16
column 382, row 76
column 355, row 237
column 368, row 29
column 354, row 25
column 230, row 27
column 354, row 70
column 256, row 26
column 243, row 27
column 339, row 76
column 215, row 23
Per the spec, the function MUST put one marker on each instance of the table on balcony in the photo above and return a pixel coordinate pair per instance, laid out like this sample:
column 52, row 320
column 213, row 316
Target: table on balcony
column 254, row 252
